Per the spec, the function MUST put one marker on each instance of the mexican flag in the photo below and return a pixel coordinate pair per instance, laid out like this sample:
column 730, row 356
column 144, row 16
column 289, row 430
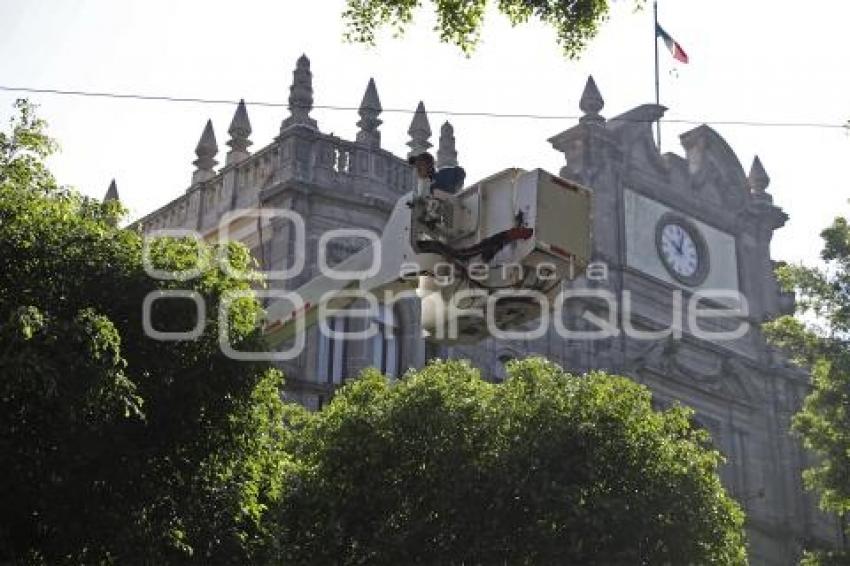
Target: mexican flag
column 675, row 49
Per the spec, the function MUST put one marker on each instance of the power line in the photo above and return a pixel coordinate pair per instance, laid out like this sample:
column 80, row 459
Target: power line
column 192, row 100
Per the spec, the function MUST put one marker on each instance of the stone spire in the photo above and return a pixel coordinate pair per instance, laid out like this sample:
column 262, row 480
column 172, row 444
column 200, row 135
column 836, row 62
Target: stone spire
column 419, row 131
column 240, row 129
column 369, row 110
column 759, row 181
column 111, row 192
column 300, row 96
column 206, row 151
column 446, row 152
column 591, row 103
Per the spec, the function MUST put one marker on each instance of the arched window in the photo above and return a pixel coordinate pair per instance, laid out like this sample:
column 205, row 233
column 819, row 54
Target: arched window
column 386, row 345
column 331, row 360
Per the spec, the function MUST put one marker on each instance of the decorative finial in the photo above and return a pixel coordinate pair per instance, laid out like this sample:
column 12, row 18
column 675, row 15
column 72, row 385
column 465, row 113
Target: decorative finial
column 446, row 152
column 591, row 103
column 111, row 192
column 369, row 110
column 759, row 180
column 300, row 96
column 240, row 129
column 206, row 151
column 419, row 131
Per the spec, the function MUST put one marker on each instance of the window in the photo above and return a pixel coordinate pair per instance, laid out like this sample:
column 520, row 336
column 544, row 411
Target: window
column 332, row 351
column 386, row 346
column 500, row 371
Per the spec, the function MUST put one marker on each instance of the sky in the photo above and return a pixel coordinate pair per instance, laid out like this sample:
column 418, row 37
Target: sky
column 758, row 60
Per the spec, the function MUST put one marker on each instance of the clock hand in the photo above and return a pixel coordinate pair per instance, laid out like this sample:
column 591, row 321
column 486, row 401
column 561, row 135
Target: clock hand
column 677, row 246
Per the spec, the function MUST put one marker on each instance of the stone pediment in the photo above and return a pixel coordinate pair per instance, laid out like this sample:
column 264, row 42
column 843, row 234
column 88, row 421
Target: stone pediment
column 714, row 166
column 709, row 172
column 634, row 133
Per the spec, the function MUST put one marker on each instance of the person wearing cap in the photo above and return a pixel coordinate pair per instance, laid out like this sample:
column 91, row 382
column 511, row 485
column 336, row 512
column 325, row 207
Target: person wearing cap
column 447, row 179
column 423, row 164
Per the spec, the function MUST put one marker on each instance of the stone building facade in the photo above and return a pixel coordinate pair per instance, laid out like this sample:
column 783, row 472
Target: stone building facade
column 743, row 391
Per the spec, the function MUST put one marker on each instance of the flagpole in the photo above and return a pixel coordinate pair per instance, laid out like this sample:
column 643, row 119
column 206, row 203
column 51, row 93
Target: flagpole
column 657, row 88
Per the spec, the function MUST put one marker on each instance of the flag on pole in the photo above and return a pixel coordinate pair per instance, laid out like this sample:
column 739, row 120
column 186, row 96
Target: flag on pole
column 675, row 49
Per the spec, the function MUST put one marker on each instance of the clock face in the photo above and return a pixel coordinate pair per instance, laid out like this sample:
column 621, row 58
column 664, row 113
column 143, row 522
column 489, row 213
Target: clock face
column 682, row 250
column 678, row 250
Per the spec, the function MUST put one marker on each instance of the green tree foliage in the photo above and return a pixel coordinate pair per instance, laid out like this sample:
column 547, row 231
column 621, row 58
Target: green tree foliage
column 819, row 338
column 115, row 447
column 459, row 22
column 546, row 468
column 23, row 150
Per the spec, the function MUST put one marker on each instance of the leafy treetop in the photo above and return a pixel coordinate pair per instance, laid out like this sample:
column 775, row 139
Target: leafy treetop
column 442, row 467
column 459, row 22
